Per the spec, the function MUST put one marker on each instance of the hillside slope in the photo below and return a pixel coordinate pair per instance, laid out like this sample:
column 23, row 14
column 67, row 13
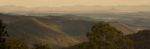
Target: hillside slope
column 141, row 39
column 59, row 31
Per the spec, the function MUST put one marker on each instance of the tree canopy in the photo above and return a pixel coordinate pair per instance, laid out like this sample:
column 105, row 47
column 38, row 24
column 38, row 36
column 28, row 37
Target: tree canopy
column 104, row 36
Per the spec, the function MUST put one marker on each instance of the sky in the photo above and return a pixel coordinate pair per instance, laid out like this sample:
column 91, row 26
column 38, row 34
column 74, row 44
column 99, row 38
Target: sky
column 58, row 3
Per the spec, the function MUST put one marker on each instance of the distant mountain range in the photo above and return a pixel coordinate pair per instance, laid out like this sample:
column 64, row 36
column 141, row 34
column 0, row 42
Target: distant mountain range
column 59, row 31
column 72, row 9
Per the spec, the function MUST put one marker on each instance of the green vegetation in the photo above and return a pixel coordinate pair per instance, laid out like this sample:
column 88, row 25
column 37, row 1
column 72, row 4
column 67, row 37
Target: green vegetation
column 104, row 36
column 41, row 46
column 14, row 43
column 3, row 35
column 7, row 42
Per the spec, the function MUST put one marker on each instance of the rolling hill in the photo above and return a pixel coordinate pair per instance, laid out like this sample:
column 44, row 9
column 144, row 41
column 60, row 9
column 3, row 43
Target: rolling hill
column 59, row 31
column 141, row 39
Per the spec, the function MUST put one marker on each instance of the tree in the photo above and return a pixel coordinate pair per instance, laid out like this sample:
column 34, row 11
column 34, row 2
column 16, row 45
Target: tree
column 3, row 35
column 104, row 36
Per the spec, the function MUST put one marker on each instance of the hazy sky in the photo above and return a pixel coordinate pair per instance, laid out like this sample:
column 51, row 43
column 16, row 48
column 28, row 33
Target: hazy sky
column 56, row 3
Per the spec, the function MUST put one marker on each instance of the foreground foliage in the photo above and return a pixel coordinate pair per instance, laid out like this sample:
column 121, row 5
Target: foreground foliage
column 3, row 35
column 104, row 36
